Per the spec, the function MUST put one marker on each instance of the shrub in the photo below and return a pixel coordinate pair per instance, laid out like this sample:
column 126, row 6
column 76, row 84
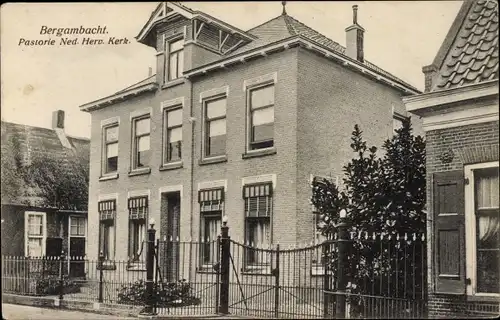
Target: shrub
column 49, row 285
column 167, row 294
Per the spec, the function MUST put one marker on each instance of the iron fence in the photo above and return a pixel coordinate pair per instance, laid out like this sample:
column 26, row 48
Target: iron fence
column 359, row 276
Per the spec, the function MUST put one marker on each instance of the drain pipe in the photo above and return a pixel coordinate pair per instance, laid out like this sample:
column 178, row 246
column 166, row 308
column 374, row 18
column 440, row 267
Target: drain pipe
column 191, row 196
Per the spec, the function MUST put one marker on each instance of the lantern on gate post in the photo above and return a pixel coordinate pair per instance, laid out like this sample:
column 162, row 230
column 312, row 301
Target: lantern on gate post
column 150, row 255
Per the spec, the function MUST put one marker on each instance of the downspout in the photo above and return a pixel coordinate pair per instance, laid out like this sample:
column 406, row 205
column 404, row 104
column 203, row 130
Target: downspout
column 191, row 195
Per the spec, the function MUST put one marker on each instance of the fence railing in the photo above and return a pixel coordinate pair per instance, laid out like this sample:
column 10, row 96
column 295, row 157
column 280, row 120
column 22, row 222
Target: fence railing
column 357, row 275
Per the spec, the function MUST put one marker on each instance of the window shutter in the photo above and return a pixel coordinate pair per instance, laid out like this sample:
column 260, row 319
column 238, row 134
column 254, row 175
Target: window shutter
column 449, row 232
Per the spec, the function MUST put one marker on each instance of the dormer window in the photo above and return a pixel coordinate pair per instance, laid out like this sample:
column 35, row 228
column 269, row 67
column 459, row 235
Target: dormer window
column 175, row 59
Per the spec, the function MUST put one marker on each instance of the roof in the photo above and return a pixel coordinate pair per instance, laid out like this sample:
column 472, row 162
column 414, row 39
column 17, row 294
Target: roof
column 275, row 30
column 148, row 84
column 469, row 53
column 26, row 142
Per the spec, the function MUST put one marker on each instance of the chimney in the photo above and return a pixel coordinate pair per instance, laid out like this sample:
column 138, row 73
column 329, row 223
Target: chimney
column 354, row 38
column 58, row 119
column 429, row 74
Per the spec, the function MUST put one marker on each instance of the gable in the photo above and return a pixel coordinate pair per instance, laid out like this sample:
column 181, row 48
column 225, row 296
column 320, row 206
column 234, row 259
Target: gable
column 472, row 55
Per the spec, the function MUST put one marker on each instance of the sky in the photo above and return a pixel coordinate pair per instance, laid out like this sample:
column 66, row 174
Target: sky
column 400, row 37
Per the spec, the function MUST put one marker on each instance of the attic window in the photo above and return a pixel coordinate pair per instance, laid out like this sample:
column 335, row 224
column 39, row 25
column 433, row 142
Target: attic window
column 175, row 59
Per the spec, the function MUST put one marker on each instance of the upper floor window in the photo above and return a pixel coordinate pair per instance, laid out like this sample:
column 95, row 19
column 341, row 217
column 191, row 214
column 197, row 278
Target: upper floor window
column 175, row 62
column 141, row 143
column 215, row 127
column 397, row 121
column 173, row 134
column 261, row 127
column 110, row 147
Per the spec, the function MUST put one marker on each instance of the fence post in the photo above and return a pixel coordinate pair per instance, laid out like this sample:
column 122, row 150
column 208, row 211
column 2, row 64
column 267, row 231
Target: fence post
column 101, row 274
column 150, row 256
column 326, row 249
column 61, row 276
column 343, row 244
column 224, row 268
column 276, row 272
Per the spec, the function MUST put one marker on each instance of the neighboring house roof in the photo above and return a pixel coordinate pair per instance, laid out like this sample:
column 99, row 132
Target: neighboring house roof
column 27, row 142
column 469, row 53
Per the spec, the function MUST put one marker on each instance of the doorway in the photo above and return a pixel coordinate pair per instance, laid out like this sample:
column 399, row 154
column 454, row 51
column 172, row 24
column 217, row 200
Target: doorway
column 170, row 222
column 77, row 226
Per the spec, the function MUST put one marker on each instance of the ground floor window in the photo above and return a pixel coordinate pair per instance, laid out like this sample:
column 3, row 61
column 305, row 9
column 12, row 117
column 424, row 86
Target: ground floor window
column 483, row 225
column 211, row 208
column 138, row 215
column 35, row 233
column 258, row 211
column 107, row 213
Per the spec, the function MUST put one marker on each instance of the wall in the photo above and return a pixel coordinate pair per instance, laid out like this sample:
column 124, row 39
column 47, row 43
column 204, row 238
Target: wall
column 439, row 141
column 282, row 163
column 331, row 100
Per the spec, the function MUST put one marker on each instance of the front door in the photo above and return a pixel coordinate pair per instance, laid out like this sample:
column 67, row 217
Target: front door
column 77, row 228
column 171, row 245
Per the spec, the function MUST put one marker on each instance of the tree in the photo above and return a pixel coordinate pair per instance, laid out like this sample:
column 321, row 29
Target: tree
column 60, row 181
column 12, row 174
column 383, row 196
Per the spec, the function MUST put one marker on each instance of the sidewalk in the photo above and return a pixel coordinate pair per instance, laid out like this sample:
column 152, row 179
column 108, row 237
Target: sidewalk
column 19, row 312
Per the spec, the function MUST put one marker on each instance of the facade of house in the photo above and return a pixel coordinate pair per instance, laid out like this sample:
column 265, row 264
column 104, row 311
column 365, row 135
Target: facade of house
column 31, row 226
column 460, row 117
column 234, row 123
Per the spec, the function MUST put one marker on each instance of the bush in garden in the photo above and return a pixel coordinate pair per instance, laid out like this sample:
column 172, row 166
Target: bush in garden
column 49, row 285
column 383, row 195
column 167, row 294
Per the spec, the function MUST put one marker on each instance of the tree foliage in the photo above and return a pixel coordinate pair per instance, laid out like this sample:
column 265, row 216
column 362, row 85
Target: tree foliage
column 60, row 181
column 383, row 196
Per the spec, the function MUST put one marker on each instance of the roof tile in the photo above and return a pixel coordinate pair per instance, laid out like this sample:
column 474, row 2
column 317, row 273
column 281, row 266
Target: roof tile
column 474, row 54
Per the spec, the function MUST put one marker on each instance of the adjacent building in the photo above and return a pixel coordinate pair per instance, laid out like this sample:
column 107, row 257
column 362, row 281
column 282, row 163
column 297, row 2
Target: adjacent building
column 460, row 119
column 32, row 224
column 234, row 123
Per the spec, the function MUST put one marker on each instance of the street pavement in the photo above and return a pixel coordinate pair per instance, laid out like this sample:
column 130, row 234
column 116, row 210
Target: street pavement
column 18, row 312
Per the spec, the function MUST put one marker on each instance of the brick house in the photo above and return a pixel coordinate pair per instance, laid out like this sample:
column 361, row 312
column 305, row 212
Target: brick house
column 234, row 123
column 30, row 226
column 459, row 111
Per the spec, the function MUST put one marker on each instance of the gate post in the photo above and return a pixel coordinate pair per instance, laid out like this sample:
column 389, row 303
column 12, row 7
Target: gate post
column 326, row 249
column 101, row 274
column 150, row 256
column 61, row 276
column 343, row 244
column 224, row 268
column 276, row 272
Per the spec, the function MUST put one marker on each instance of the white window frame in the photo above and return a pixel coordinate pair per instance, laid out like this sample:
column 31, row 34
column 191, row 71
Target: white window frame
column 470, row 227
column 270, row 79
column 166, row 128
column 167, row 42
column 204, row 126
column 105, row 124
column 85, row 227
column 134, row 147
column 397, row 117
column 26, row 230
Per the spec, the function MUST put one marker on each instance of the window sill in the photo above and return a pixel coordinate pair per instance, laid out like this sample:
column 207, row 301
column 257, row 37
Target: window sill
column 136, row 266
column 138, row 172
column 173, row 83
column 259, row 153
column 483, row 298
column 108, row 176
column 171, row 166
column 206, row 269
column 212, row 160
column 107, row 266
column 262, row 271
